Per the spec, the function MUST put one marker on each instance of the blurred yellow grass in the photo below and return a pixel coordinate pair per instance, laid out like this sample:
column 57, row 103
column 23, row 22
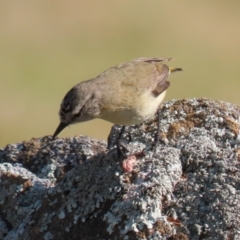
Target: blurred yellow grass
column 49, row 46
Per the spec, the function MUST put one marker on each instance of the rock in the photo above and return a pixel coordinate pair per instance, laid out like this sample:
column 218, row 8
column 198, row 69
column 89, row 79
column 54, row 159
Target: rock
column 185, row 188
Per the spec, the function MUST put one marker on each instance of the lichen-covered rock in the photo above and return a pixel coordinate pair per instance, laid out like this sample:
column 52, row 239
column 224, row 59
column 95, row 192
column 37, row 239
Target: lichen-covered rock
column 186, row 187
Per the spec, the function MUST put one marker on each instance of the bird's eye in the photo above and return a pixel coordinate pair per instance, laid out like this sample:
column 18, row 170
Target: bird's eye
column 77, row 114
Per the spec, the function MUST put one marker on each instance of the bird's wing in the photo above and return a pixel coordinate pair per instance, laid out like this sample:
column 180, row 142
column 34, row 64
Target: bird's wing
column 138, row 76
column 159, row 83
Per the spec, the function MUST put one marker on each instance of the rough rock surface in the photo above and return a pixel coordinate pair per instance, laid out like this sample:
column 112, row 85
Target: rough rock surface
column 188, row 187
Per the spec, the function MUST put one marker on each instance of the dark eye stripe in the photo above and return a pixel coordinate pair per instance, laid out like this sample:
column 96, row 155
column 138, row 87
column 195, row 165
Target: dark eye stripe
column 66, row 107
column 62, row 115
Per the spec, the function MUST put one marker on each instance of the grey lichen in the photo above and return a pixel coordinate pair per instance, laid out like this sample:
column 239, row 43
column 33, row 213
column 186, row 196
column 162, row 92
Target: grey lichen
column 141, row 203
column 187, row 187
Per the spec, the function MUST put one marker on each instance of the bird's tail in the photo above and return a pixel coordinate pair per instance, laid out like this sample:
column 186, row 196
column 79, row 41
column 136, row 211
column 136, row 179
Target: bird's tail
column 174, row 69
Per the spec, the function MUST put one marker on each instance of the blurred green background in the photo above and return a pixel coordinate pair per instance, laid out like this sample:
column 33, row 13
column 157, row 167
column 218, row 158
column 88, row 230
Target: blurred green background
column 46, row 47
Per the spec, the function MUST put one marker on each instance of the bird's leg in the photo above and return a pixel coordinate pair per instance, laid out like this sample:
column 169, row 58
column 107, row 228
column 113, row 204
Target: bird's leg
column 120, row 144
column 158, row 129
column 109, row 140
column 121, row 133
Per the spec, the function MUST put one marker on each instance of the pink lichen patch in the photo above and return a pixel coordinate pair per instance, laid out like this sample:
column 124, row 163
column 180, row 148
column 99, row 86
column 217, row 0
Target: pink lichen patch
column 129, row 163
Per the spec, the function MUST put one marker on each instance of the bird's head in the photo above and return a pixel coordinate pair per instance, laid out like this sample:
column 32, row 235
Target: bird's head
column 71, row 109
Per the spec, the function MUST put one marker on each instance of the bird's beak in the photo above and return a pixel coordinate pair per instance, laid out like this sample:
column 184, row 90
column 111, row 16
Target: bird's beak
column 60, row 127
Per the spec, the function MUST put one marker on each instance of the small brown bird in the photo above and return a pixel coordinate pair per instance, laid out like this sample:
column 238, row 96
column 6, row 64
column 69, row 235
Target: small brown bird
column 126, row 94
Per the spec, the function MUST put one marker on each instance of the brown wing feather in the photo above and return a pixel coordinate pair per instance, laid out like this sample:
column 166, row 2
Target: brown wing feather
column 161, row 89
column 161, row 83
